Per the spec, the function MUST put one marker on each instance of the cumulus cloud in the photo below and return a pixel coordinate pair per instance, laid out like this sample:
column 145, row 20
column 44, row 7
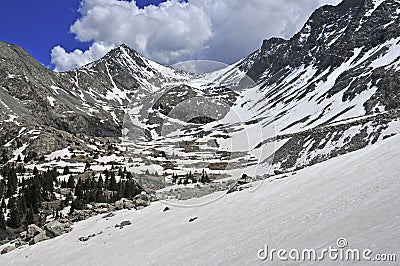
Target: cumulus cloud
column 65, row 61
column 223, row 30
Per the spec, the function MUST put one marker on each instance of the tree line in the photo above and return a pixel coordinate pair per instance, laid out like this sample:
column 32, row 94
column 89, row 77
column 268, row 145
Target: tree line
column 21, row 196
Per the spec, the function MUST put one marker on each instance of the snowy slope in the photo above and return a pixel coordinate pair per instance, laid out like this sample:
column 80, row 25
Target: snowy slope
column 354, row 196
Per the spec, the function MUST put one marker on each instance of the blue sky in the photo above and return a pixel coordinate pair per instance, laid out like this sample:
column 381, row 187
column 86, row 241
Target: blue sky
column 62, row 36
column 40, row 25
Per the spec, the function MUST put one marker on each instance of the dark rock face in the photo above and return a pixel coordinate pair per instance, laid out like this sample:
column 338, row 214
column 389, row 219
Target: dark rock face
column 67, row 107
column 327, row 40
column 298, row 151
column 30, row 86
column 88, row 100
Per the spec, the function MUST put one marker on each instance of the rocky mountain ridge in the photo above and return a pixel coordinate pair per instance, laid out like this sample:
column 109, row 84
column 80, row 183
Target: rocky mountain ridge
column 342, row 65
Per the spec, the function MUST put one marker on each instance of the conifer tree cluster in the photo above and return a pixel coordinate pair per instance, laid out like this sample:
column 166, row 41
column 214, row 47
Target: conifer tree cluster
column 21, row 195
column 104, row 190
column 24, row 195
column 189, row 178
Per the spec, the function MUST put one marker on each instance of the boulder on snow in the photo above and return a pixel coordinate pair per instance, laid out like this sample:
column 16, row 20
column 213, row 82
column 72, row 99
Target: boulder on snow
column 38, row 238
column 86, row 238
column 125, row 223
column 83, row 238
column 100, row 210
column 7, row 249
column 56, row 228
column 124, row 203
column 193, row 219
column 142, row 200
column 79, row 215
column 141, row 203
column 23, row 235
column 108, row 215
column 278, row 172
column 33, row 230
column 19, row 242
column 119, row 204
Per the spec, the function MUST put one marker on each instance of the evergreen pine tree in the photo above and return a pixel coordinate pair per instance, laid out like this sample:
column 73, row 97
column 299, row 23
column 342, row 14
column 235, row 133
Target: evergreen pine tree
column 66, row 170
column 3, row 204
column 106, row 174
column 204, row 177
column 2, row 188
column 71, row 182
column 2, row 220
column 129, row 175
column 12, row 183
column 174, row 178
column 35, row 171
column 29, row 217
column 14, row 220
column 87, row 166
column 63, row 184
column 21, row 203
column 79, row 189
column 4, row 157
column 113, row 183
column 72, row 209
column 100, row 183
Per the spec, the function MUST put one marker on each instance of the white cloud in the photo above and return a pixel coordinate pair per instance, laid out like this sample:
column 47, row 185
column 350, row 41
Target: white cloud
column 65, row 61
column 223, row 30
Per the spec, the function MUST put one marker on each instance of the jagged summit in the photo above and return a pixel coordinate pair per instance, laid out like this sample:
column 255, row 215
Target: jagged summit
column 330, row 36
column 122, row 51
column 125, row 46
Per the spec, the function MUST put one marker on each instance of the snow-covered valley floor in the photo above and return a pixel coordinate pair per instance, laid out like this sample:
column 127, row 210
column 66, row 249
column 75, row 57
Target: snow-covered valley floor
column 354, row 196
